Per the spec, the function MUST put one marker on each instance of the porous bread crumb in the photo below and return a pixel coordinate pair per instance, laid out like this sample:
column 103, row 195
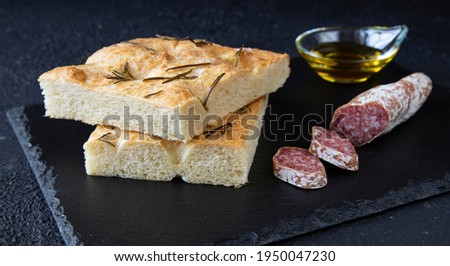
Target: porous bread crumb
column 222, row 158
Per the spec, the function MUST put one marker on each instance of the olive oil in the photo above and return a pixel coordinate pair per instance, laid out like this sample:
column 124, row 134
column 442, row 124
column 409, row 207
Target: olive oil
column 346, row 62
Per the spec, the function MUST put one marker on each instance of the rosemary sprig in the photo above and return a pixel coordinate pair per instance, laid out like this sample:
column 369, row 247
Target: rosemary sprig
column 200, row 43
column 154, row 78
column 204, row 102
column 189, row 65
column 82, row 60
column 197, row 97
column 179, row 76
column 243, row 110
column 119, row 76
column 106, row 141
column 169, row 38
column 141, row 45
column 197, row 42
column 221, row 130
column 237, row 56
column 153, row 94
column 212, row 88
column 165, row 78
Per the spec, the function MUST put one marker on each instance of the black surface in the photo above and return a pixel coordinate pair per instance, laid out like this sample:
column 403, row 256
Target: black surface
column 394, row 170
column 39, row 35
column 421, row 223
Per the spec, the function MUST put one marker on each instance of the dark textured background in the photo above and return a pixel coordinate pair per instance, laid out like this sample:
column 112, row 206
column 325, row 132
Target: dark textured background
column 36, row 36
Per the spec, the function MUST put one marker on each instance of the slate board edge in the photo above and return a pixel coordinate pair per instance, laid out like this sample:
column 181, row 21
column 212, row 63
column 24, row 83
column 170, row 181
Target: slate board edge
column 325, row 217
column 285, row 229
column 43, row 173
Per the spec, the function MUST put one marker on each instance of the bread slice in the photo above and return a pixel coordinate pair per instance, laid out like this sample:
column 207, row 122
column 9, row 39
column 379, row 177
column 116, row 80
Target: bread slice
column 220, row 156
column 167, row 87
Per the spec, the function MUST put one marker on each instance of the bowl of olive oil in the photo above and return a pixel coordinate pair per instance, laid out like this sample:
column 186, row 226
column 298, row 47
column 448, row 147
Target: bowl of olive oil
column 350, row 54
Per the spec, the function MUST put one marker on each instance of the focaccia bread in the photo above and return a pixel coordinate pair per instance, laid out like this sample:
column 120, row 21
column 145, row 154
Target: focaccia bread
column 220, row 156
column 149, row 85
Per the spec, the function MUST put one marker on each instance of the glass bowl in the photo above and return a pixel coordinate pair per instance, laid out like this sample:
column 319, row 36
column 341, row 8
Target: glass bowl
column 350, row 54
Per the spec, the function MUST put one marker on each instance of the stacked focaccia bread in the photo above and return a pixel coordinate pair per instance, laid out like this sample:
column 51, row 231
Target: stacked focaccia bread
column 168, row 107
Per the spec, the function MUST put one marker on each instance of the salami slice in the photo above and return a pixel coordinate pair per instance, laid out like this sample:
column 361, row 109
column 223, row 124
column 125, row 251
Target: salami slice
column 378, row 110
column 300, row 168
column 331, row 147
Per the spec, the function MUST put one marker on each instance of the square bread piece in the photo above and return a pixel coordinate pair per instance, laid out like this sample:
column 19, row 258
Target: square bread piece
column 220, row 156
column 149, row 85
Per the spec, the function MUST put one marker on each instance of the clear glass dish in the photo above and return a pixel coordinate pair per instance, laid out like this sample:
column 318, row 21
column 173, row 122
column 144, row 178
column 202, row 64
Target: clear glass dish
column 350, row 54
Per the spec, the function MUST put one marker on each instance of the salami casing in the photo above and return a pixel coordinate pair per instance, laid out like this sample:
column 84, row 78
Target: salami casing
column 378, row 110
column 331, row 147
column 300, row 168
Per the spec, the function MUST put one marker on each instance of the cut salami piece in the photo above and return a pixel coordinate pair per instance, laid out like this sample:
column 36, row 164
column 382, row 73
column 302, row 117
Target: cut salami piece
column 300, row 168
column 378, row 110
column 331, row 147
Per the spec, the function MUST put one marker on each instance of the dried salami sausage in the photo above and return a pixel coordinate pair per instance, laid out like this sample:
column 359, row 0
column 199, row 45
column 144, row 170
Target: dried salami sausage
column 378, row 110
column 300, row 168
column 331, row 147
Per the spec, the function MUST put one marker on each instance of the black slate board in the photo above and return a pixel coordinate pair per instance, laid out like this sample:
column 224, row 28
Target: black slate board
column 408, row 164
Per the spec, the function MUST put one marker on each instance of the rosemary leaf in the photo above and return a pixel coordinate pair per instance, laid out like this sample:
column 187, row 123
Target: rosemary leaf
column 179, row 76
column 141, row 45
column 189, row 77
column 169, row 38
column 126, row 71
column 189, row 65
column 106, row 141
column 243, row 110
column 125, row 75
column 82, row 61
column 237, row 56
column 153, row 94
column 165, row 78
column 211, row 89
column 221, row 130
column 104, row 135
column 154, row 78
column 200, row 43
column 197, row 42
column 196, row 97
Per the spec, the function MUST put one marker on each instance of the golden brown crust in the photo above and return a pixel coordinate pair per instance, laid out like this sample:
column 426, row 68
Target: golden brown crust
column 151, row 57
